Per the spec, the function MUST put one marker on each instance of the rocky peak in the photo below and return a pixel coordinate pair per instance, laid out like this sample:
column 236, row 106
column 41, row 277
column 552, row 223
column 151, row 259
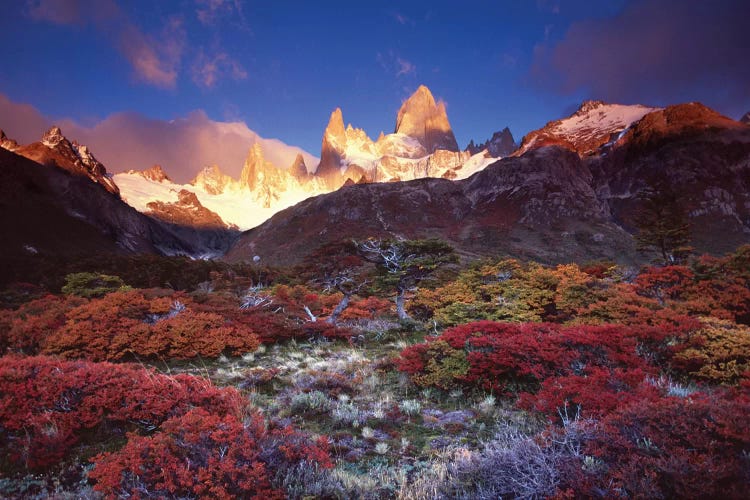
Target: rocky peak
column 298, row 169
column 746, row 118
column 53, row 137
column 501, row 144
column 335, row 128
column 212, row 180
column 588, row 106
column 156, row 174
column 7, row 143
column 427, row 121
column 186, row 212
column 56, row 149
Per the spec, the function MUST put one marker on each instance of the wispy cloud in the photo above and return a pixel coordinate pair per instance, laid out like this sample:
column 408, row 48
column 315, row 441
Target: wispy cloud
column 154, row 60
column 209, row 69
column 405, row 67
column 210, row 12
column 396, row 65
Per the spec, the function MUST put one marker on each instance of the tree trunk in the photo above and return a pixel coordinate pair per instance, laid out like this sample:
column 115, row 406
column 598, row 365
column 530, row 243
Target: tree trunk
column 343, row 304
column 400, row 299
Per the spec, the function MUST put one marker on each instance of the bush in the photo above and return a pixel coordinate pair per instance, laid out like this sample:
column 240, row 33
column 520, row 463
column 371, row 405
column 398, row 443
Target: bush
column 510, row 357
column 90, row 285
column 47, row 405
column 195, row 455
column 122, row 325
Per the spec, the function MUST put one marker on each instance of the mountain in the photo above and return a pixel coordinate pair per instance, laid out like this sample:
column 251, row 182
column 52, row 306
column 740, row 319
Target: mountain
column 155, row 173
column 570, row 193
column 213, row 181
column 423, row 119
column 49, row 210
column 501, row 144
column 55, row 149
column 7, row 143
column 423, row 145
column 594, row 124
column 746, row 118
column 66, row 175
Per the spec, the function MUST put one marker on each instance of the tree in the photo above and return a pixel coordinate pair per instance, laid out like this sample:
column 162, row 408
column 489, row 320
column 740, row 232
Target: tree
column 406, row 263
column 662, row 224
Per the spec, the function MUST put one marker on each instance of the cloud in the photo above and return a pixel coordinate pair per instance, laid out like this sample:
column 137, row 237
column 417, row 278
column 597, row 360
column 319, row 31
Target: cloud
column 210, row 12
column 394, row 64
column 154, row 60
column 125, row 141
column 405, row 67
column 208, row 69
column 655, row 51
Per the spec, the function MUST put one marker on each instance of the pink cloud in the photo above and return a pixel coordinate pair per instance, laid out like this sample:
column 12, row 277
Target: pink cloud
column 183, row 146
column 405, row 67
column 154, row 61
column 208, row 69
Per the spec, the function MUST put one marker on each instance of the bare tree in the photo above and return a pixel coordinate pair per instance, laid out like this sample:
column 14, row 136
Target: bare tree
column 406, row 263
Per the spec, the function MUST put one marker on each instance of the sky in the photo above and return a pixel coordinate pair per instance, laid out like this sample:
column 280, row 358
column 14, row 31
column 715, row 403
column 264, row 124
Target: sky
column 140, row 82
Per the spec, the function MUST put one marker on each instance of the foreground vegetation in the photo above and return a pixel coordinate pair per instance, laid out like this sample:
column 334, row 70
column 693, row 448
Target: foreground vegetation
column 383, row 370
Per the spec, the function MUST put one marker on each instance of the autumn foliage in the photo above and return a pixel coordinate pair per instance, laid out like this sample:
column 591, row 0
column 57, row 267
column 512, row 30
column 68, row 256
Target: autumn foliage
column 204, row 455
column 48, row 405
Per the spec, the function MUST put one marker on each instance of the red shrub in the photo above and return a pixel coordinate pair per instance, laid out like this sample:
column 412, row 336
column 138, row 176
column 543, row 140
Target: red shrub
column 47, row 405
column 29, row 326
column 510, row 356
column 197, row 454
column 662, row 283
column 672, row 448
column 204, row 455
column 126, row 324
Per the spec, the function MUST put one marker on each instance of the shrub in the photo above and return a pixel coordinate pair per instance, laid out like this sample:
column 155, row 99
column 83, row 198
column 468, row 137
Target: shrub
column 48, row 405
column 27, row 328
column 90, row 285
column 509, row 357
column 718, row 352
column 197, row 454
column 200, row 454
column 672, row 447
column 122, row 325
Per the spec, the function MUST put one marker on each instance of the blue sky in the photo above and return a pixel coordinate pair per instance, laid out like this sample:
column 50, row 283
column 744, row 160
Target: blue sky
column 282, row 67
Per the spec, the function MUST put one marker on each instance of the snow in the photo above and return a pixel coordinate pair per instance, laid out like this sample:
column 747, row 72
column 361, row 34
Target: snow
column 476, row 163
column 238, row 207
column 603, row 119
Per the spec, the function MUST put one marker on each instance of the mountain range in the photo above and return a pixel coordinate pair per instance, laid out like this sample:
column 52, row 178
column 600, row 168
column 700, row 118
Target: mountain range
column 570, row 191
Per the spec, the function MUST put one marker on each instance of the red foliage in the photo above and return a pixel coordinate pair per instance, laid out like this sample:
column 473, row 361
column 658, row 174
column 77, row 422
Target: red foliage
column 672, row 447
column 27, row 328
column 126, row 324
column 196, row 454
column 508, row 356
column 663, row 283
column 208, row 456
column 47, row 405
column 369, row 308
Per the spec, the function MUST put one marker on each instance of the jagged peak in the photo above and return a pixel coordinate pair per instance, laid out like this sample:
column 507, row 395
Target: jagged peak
column 745, row 118
column 589, row 105
column 422, row 118
column 7, row 143
column 53, row 137
column 155, row 173
column 336, row 123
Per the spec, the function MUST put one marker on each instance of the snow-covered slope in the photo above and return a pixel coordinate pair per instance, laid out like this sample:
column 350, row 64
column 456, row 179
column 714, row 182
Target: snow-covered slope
column 593, row 125
column 235, row 206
